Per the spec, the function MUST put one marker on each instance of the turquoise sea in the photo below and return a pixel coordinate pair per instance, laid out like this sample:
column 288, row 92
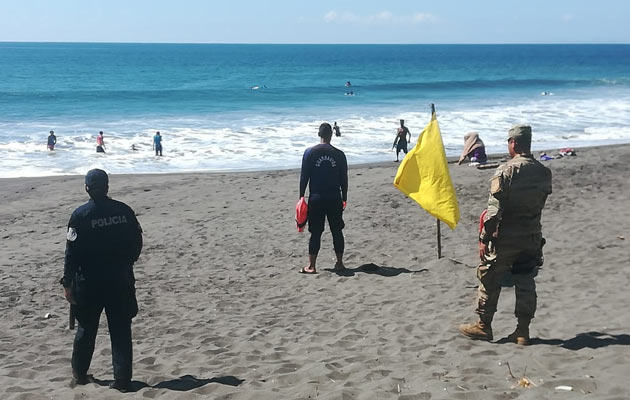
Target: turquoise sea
column 235, row 107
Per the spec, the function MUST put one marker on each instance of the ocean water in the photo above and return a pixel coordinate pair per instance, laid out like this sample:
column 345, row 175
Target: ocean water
column 203, row 99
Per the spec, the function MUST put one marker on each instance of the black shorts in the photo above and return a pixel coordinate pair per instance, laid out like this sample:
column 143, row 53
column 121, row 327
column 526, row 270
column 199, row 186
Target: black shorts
column 401, row 146
column 319, row 209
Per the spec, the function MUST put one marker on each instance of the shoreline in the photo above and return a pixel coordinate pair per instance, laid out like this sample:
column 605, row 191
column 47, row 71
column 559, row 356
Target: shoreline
column 494, row 157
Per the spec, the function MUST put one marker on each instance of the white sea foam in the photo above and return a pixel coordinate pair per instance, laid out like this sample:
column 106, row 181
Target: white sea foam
column 257, row 142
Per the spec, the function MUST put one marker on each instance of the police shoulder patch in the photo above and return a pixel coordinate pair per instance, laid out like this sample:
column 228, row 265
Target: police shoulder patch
column 72, row 234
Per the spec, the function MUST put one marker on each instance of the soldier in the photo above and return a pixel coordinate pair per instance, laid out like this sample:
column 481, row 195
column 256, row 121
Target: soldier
column 104, row 241
column 511, row 239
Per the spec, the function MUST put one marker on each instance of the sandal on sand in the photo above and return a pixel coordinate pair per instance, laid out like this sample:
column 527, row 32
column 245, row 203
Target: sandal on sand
column 306, row 270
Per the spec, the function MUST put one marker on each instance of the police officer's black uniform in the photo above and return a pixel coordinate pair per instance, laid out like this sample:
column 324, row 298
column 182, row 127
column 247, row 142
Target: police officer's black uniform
column 104, row 241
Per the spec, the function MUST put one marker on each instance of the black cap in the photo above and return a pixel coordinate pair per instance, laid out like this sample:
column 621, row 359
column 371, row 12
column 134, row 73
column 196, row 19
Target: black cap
column 96, row 179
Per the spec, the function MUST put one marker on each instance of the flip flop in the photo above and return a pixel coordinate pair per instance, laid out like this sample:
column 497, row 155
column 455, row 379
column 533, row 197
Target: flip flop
column 305, row 271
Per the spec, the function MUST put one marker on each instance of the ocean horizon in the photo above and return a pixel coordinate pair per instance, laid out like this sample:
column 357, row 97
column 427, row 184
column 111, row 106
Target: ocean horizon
column 223, row 107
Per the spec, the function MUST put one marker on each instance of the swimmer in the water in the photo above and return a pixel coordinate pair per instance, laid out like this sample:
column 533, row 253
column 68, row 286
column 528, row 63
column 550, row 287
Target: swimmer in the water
column 348, row 84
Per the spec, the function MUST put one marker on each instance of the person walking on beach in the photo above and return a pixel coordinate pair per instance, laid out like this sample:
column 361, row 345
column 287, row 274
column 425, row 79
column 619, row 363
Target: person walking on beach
column 104, row 240
column 100, row 143
column 52, row 141
column 325, row 171
column 336, row 129
column 511, row 239
column 157, row 143
column 401, row 139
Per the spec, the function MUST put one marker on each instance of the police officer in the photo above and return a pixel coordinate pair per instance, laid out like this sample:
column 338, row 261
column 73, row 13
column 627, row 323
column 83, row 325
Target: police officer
column 511, row 239
column 104, row 240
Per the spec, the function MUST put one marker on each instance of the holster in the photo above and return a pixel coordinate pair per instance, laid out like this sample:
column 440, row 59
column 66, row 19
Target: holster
column 528, row 262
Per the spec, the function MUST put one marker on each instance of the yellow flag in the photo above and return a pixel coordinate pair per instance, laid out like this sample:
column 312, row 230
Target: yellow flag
column 423, row 175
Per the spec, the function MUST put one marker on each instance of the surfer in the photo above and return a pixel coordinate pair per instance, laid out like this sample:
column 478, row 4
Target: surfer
column 348, row 84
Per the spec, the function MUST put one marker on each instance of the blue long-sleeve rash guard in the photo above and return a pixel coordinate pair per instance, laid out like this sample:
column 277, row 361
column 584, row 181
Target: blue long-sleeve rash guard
column 325, row 171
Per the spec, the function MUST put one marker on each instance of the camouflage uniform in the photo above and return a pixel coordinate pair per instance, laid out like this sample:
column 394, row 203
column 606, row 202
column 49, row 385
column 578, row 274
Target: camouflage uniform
column 518, row 191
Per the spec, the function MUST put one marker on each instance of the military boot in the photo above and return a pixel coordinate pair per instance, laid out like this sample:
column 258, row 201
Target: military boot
column 521, row 334
column 480, row 330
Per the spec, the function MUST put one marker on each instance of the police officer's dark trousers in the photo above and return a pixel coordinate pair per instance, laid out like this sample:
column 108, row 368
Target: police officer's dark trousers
column 119, row 315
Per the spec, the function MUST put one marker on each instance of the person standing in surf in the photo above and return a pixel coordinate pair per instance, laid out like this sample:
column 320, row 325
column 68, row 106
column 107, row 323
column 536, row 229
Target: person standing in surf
column 157, row 143
column 100, row 143
column 336, row 129
column 52, row 141
column 401, row 139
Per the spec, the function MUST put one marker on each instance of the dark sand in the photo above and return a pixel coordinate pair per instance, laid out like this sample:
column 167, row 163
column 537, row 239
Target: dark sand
column 225, row 315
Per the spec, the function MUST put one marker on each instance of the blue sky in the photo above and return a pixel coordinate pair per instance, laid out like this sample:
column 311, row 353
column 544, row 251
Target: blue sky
column 316, row 21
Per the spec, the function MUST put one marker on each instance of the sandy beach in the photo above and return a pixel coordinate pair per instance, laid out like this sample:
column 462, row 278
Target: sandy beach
column 225, row 315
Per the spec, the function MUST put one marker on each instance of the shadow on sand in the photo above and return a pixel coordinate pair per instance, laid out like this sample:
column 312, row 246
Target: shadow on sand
column 591, row 340
column 372, row 268
column 181, row 384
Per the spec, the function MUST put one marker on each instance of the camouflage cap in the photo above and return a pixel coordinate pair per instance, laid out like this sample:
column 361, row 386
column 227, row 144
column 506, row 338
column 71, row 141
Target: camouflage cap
column 520, row 133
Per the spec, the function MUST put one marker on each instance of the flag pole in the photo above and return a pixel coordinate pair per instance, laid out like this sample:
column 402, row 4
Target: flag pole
column 439, row 240
column 439, row 234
